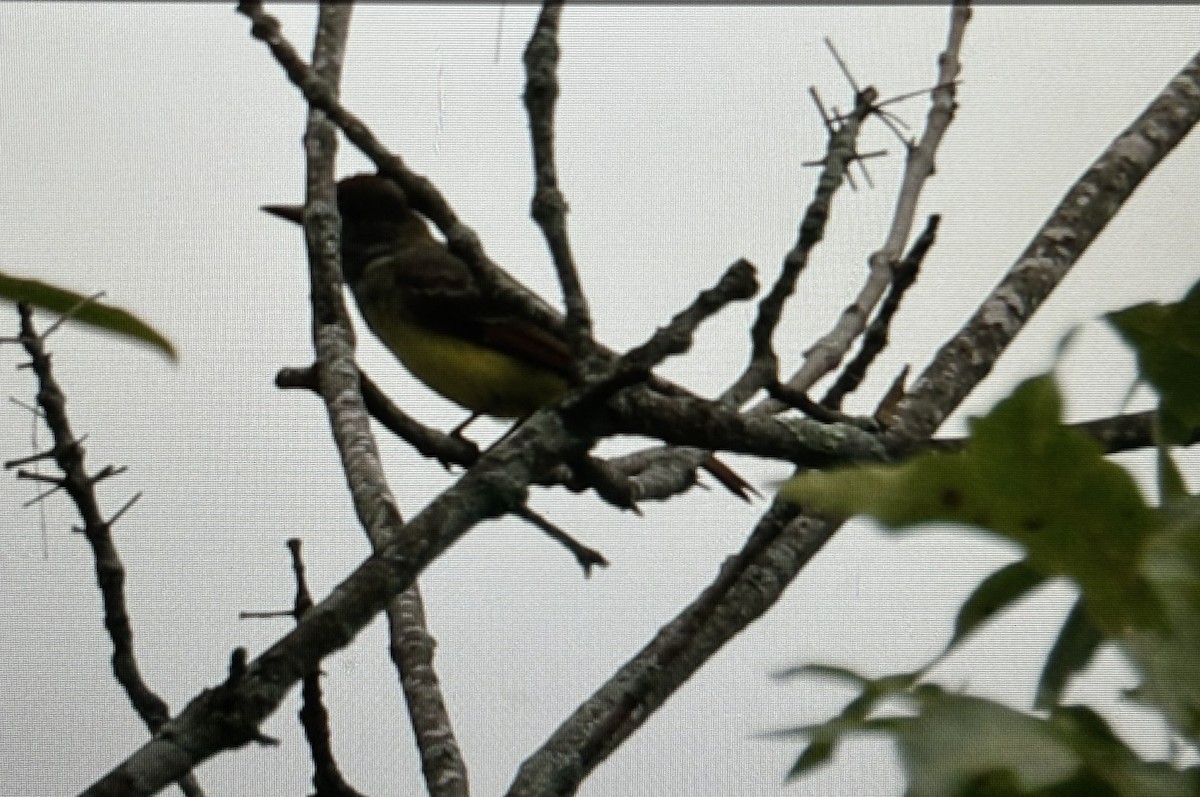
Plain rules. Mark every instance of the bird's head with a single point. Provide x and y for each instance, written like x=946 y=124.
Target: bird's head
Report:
x=376 y=219
x=361 y=196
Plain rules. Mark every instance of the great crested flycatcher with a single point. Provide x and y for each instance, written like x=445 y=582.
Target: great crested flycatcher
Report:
x=422 y=301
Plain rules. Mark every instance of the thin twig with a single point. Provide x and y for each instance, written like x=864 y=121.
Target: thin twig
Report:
x=70 y=313
x=764 y=363
x=585 y=556
x=429 y=442
x=110 y=571
x=328 y=780
x=125 y=507
x=549 y=206
x=737 y=283
x=876 y=337
x=824 y=355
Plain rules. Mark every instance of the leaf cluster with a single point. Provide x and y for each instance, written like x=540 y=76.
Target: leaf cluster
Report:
x=1025 y=476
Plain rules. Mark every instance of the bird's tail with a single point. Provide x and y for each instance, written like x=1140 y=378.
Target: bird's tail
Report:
x=729 y=478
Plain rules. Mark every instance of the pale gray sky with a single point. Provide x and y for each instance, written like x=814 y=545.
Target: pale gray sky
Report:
x=137 y=143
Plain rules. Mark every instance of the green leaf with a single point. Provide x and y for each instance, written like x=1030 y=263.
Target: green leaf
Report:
x=84 y=310
x=824 y=737
x=828 y=671
x=1171 y=484
x=1167 y=657
x=1166 y=338
x=818 y=752
x=958 y=740
x=960 y=745
x=1109 y=760
x=1025 y=476
x=996 y=592
x=1076 y=644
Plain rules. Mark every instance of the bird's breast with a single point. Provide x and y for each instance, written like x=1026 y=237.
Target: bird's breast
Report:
x=471 y=375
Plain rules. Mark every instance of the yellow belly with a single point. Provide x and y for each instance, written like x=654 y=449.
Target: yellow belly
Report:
x=480 y=379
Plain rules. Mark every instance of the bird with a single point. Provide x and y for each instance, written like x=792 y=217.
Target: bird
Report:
x=425 y=305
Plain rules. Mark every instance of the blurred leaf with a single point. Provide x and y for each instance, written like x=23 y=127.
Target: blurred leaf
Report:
x=1167 y=657
x=1171 y=485
x=1166 y=338
x=960 y=745
x=1109 y=760
x=1076 y=644
x=83 y=310
x=1025 y=476
x=828 y=671
x=958 y=740
x=824 y=736
x=996 y=592
x=818 y=752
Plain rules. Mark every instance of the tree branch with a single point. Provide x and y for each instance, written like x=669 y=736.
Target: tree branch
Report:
x=876 y=336
x=749 y=583
x=764 y=362
x=824 y=355
x=1085 y=210
x=327 y=777
x=549 y=206
x=68 y=454
x=337 y=377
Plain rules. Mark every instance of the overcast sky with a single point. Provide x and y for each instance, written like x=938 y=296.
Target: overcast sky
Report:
x=136 y=145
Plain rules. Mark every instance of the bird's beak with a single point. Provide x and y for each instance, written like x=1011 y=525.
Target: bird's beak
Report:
x=292 y=213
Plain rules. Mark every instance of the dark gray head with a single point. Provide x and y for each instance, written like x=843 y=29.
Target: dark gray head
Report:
x=376 y=219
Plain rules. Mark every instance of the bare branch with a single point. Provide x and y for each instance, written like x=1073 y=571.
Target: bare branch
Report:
x=876 y=337
x=339 y=386
x=110 y=571
x=585 y=556
x=549 y=206
x=1085 y=210
x=125 y=507
x=429 y=442
x=327 y=776
x=764 y=363
x=824 y=355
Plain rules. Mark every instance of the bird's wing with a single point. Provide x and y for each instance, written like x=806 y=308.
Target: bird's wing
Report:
x=440 y=294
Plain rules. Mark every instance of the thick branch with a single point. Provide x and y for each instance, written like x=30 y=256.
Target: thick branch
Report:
x=1085 y=210
x=337 y=377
